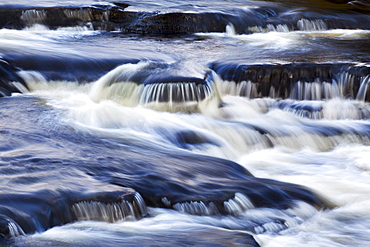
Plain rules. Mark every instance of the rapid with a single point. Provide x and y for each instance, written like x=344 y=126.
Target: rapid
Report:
x=164 y=123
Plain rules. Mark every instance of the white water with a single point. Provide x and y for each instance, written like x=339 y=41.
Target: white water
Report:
x=337 y=167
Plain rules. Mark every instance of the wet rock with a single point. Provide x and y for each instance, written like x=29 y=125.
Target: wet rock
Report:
x=175 y=89
x=188 y=139
x=209 y=184
x=121 y=5
x=36 y=212
x=10 y=82
x=181 y=23
x=70 y=68
x=116 y=18
x=308 y=81
x=83 y=172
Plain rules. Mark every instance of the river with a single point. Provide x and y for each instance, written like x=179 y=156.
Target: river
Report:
x=172 y=123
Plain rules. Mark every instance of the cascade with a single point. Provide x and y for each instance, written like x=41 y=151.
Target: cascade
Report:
x=168 y=123
x=178 y=94
x=361 y=95
x=110 y=212
x=10 y=81
x=197 y=208
x=33 y=16
x=311 y=25
x=9 y=228
x=237 y=205
x=82 y=14
x=134 y=84
x=294 y=81
x=45 y=209
x=115 y=17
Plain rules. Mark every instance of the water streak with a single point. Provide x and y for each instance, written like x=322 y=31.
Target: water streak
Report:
x=197 y=208
x=311 y=25
x=33 y=16
x=361 y=94
x=278 y=89
x=238 y=205
x=110 y=212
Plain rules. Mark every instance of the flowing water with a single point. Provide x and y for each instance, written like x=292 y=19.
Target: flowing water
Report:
x=172 y=123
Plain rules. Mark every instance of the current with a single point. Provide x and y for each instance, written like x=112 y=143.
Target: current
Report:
x=172 y=123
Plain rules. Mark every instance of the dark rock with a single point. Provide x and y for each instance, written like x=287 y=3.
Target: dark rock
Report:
x=42 y=210
x=121 y=5
x=69 y=68
x=10 y=82
x=109 y=18
x=212 y=182
x=176 y=89
x=282 y=80
x=186 y=139
x=11 y=18
x=80 y=175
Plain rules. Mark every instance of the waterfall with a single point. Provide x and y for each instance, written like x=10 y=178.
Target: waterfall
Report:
x=239 y=204
x=14 y=229
x=81 y=14
x=9 y=227
x=230 y=30
x=137 y=84
x=361 y=95
x=197 y=208
x=234 y=206
x=315 y=91
x=301 y=25
x=33 y=16
x=177 y=92
x=311 y=25
x=110 y=212
x=118 y=85
x=281 y=28
x=293 y=81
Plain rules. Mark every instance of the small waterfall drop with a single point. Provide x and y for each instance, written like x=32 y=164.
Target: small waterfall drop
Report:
x=294 y=81
x=301 y=25
x=33 y=16
x=111 y=212
x=177 y=96
x=234 y=206
x=117 y=85
x=177 y=92
x=311 y=25
x=9 y=227
x=197 y=208
x=361 y=95
x=239 y=204
x=316 y=90
x=34 y=80
x=280 y=28
x=230 y=30
x=246 y=89
x=79 y=14
x=136 y=84
x=14 y=229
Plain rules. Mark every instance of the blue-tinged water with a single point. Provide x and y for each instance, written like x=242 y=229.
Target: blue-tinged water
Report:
x=125 y=138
